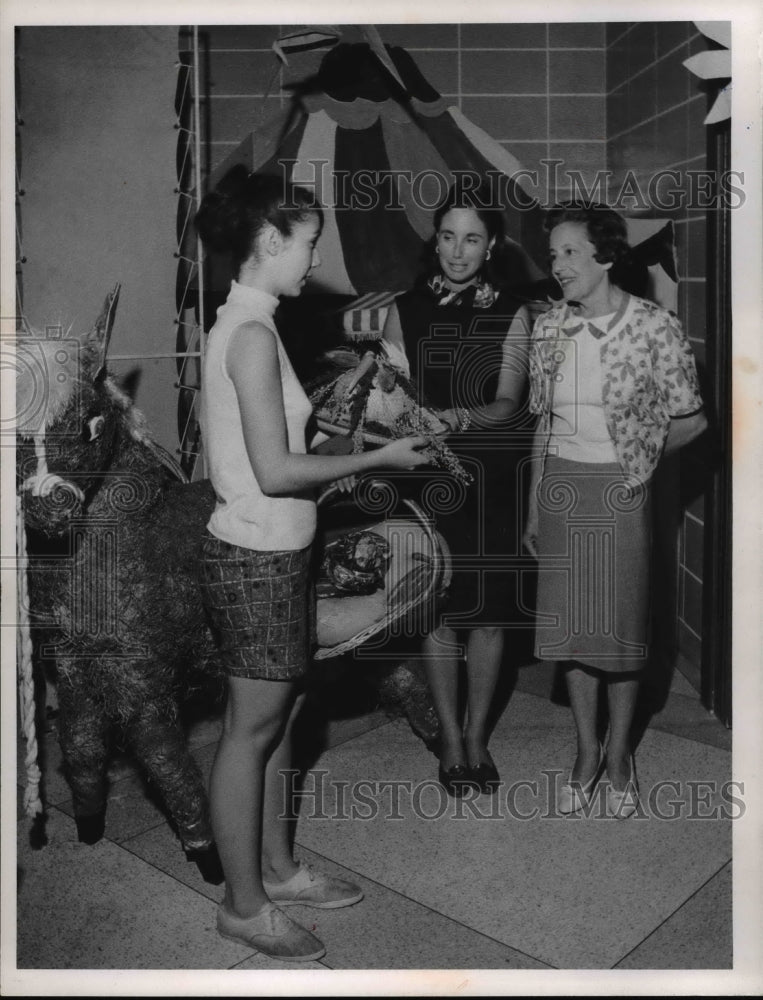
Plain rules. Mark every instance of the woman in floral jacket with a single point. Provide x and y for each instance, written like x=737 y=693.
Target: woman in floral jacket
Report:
x=614 y=383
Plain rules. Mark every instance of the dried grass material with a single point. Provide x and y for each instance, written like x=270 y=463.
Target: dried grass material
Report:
x=374 y=402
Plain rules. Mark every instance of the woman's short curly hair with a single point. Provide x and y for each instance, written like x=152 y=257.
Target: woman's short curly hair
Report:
x=605 y=227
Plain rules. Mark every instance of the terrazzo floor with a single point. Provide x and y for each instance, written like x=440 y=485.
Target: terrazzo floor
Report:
x=500 y=883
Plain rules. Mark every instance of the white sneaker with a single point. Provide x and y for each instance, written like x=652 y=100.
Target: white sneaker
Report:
x=272 y=932
x=310 y=888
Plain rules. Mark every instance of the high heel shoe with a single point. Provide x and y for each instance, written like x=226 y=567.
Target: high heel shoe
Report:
x=486 y=777
x=573 y=796
x=456 y=780
x=623 y=804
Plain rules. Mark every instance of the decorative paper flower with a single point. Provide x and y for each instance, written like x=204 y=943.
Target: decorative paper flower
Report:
x=715 y=65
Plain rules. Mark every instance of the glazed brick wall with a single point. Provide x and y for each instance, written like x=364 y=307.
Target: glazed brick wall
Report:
x=655 y=112
x=538 y=89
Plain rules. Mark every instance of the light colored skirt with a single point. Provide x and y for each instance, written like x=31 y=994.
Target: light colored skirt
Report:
x=594 y=555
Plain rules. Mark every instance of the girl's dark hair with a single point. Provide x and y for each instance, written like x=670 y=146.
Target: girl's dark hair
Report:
x=606 y=230
x=481 y=198
x=232 y=215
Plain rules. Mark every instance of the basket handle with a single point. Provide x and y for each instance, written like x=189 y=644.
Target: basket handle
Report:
x=332 y=489
x=328 y=493
x=437 y=568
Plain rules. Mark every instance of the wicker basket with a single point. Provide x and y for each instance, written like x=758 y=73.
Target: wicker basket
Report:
x=419 y=570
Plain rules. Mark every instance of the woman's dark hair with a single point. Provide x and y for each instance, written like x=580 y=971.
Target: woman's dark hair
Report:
x=606 y=230
x=481 y=198
x=231 y=217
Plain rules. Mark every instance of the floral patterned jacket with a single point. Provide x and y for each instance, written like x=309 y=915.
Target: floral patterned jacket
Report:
x=649 y=376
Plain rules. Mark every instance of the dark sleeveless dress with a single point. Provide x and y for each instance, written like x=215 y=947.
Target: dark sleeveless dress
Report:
x=455 y=354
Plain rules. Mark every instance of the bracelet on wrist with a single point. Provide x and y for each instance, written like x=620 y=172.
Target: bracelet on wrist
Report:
x=464 y=418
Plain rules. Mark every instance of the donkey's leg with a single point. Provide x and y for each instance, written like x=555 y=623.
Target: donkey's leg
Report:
x=404 y=688
x=84 y=737
x=160 y=745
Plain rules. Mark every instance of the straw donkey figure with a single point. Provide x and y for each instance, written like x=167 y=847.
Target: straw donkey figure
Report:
x=113 y=530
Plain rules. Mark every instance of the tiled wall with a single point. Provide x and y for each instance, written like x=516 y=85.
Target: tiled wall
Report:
x=655 y=112
x=539 y=89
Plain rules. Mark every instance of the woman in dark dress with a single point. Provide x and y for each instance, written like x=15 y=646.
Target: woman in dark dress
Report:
x=466 y=346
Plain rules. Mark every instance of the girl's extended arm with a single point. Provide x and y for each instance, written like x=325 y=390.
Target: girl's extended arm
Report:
x=252 y=360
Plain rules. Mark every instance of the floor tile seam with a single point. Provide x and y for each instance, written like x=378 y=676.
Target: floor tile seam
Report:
x=46 y=802
x=424 y=906
x=111 y=840
x=706 y=716
x=681 y=736
x=669 y=728
x=161 y=870
x=659 y=728
x=687 y=739
x=139 y=833
x=58 y=804
x=670 y=916
x=156 y=868
x=547 y=699
x=673 y=729
x=693 y=698
x=56 y=807
x=358 y=736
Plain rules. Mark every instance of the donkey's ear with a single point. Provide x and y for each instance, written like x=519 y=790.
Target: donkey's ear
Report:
x=101 y=332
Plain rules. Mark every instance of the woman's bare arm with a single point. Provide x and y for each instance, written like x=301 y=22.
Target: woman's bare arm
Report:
x=682 y=430
x=511 y=379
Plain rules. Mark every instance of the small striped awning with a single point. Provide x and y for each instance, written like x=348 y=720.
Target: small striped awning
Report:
x=364 y=318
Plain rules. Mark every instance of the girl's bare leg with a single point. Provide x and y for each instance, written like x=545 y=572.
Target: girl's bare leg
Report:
x=255 y=717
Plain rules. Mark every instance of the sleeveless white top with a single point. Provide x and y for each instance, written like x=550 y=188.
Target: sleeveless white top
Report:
x=244 y=515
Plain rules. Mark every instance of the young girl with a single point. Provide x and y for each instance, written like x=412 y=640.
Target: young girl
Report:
x=256 y=555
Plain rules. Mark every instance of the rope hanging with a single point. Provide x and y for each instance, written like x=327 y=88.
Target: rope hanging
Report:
x=32 y=802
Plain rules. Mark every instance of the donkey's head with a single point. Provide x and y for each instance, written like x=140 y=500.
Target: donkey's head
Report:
x=67 y=415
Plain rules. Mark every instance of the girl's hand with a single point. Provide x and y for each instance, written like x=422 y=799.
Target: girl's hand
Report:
x=449 y=417
x=346 y=484
x=403 y=454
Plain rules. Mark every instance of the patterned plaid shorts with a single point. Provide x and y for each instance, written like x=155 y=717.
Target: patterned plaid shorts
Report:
x=261 y=607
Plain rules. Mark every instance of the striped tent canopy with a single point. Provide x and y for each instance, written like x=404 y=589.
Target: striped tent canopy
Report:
x=380 y=147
